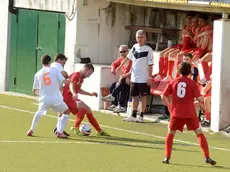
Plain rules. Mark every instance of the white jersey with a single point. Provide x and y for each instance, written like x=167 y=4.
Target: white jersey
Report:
x=58 y=66
x=142 y=57
x=47 y=81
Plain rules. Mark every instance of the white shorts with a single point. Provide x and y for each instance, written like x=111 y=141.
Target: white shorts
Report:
x=57 y=108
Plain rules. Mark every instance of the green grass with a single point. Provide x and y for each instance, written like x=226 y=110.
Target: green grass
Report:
x=125 y=151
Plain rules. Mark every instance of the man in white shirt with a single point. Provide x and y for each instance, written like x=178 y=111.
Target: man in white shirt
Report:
x=59 y=64
x=141 y=56
x=46 y=85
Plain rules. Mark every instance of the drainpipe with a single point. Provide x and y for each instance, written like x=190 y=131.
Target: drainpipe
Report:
x=11 y=7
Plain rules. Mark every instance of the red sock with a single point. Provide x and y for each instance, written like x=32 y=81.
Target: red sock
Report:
x=168 y=145
x=161 y=65
x=79 y=117
x=186 y=43
x=208 y=116
x=165 y=66
x=205 y=68
x=93 y=121
x=203 y=144
x=170 y=68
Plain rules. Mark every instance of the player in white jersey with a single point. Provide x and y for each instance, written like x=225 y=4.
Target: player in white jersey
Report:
x=141 y=56
x=59 y=63
x=46 y=85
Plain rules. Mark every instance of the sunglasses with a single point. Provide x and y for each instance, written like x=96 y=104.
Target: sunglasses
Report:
x=123 y=51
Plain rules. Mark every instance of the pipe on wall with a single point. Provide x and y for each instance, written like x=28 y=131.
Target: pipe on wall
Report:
x=12 y=9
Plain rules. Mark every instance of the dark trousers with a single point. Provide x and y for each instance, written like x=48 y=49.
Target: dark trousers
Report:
x=121 y=93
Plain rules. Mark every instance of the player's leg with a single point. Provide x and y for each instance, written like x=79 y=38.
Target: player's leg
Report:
x=62 y=109
x=206 y=69
x=174 y=125
x=143 y=90
x=193 y=124
x=204 y=146
x=42 y=110
x=207 y=104
x=135 y=100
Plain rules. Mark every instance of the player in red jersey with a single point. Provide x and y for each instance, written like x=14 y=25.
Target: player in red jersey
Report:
x=78 y=107
x=183 y=91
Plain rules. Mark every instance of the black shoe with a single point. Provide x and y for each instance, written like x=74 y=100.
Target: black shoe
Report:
x=210 y=161
x=65 y=133
x=166 y=161
x=55 y=132
x=205 y=124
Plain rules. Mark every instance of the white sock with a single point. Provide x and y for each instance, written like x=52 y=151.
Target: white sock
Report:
x=35 y=120
x=58 y=123
x=64 y=120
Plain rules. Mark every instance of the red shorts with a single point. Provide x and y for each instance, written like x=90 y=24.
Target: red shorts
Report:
x=72 y=105
x=178 y=123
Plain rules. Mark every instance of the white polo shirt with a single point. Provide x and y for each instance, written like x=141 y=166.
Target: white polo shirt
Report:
x=58 y=66
x=142 y=57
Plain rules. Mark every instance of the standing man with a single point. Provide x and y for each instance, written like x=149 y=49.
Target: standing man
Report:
x=141 y=56
x=183 y=91
x=59 y=64
x=46 y=85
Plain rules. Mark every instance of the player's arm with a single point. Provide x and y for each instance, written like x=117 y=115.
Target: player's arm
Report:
x=150 y=63
x=207 y=88
x=65 y=74
x=83 y=92
x=205 y=33
x=165 y=96
x=36 y=86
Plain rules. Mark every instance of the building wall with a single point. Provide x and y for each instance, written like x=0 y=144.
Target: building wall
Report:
x=4 y=41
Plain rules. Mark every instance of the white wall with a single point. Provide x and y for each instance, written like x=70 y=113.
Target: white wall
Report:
x=4 y=41
x=99 y=40
x=49 y=5
x=220 y=117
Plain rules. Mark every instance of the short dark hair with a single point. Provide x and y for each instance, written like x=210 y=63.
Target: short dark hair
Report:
x=203 y=16
x=191 y=13
x=184 y=69
x=45 y=59
x=60 y=56
x=188 y=55
x=89 y=66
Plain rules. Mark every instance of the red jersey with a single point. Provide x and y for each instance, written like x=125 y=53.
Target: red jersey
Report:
x=183 y=91
x=125 y=68
x=77 y=80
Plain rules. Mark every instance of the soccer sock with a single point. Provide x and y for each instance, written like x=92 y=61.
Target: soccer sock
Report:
x=186 y=43
x=170 y=68
x=161 y=65
x=35 y=120
x=58 y=123
x=64 y=120
x=203 y=144
x=205 y=68
x=134 y=113
x=177 y=73
x=79 y=117
x=93 y=121
x=208 y=115
x=142 y=114
x=165 y=66
x=168 y=145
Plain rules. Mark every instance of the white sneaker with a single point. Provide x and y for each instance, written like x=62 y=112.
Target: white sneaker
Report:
x=112 y=107
x=117 y=107
x=130 y=119
x=108 y=98
x=120 y=109
x=140 y=119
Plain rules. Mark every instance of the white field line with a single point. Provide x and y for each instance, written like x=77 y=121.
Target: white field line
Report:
x=120 y=129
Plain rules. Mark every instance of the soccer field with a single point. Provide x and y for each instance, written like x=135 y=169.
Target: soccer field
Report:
x=133 y=147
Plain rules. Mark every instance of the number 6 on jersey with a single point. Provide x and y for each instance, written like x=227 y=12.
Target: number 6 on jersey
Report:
x=181 y=89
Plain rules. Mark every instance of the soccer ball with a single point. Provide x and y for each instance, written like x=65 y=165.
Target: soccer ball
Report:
x=85 y=129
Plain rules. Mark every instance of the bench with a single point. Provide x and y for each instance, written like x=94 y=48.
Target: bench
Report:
x=158 y=31
x=157 y=90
